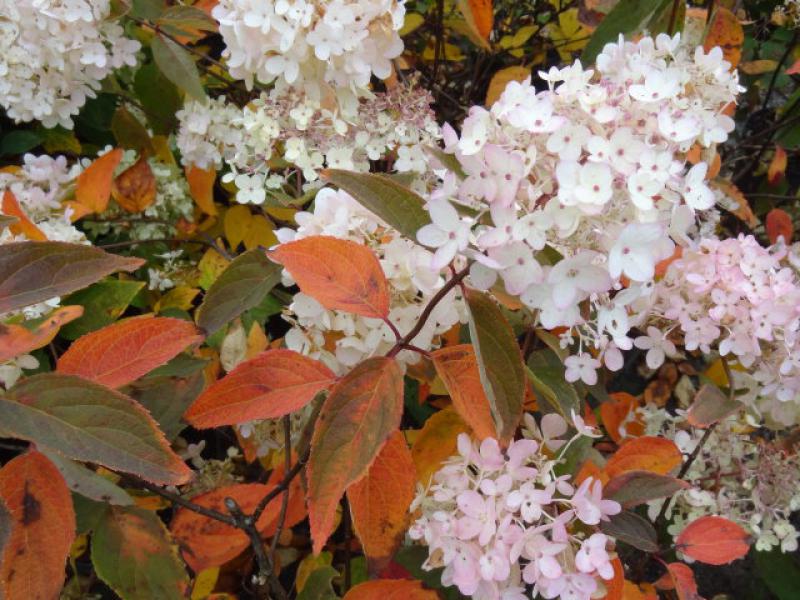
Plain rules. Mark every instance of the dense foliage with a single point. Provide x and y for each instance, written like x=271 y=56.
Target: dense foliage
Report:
x=367 y=299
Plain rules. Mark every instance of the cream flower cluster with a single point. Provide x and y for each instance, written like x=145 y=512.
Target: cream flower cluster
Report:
x=583 y=188
x=290 y=127
x=742 y=477
x=304 y=43
x=499 y=522
x=54 y=54
x=742 y=300
x=342 y=340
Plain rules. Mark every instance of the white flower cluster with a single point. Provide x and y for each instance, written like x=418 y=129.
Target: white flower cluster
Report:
x=583 y=188
x=342 y=340
x=498 y=521
x=54 y=54
x=304 y=43
x=290 y=127
x=742 y=300
x=736 y=475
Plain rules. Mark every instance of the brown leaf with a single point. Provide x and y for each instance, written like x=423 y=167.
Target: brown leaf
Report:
x=135 y=188
x=43 y=528
x=93 y=188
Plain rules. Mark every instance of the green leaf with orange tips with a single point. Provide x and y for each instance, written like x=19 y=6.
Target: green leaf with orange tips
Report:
x=457 y=367
x=713 y=540
x=93 y=188
x=379 y=501
x=42 y=528
x=646 y=453
x=91 y=423
x=32 y=272
x=23 y=225
x=339 y=274
x=201 y=187
x=133 y=553
x=362 y=410
x=122 y=352
x=18 y=339
x=436 y=442
x=271 y=385
x=391 y=589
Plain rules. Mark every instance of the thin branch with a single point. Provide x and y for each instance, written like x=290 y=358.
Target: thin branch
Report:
x=181 y=501
x=287 y=449
x=283 y=485
x=156 y=241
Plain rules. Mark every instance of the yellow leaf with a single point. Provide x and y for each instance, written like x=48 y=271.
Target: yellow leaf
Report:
x=412 y=22
x=435 y=442
x=257 y=341
x=236 y=222
x=79 y=546
x=570 y=35
x=501 y=79
x=310 y=564
x=204 y=583
x=201 y=187
x=179 y=297
x=211 y=265
x=162 y=150
x=451 y=52
x=282 y=213
x=758 y=67
x=261 y=232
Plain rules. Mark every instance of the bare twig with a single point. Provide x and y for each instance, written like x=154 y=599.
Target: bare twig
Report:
x=181 y=501
x=287 y=449
x=156 y=241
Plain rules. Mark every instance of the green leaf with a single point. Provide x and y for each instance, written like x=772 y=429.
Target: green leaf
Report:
x=400 y=207
x=103 y=303
x=130 y=133
x=86 y=482
x=637 y=487
x=628 y=16
x=32 y=272
x=183 y=365
x=58 y=139
x=630 y=528
x=448 y=161
x=500 y=363
x=319 y=584
x=89 y=422
x=242 y=286
x=546 y=373
x=159 y=98
x=133 y=553
x=19 y=141
x=185 y=21
x=178 y=66
x=167 y=398
x=780 y=571
x=147 y=9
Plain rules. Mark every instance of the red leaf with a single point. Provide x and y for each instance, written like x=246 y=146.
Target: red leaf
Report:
x=339 y=274
x=363 y=409
x=379 y=501
x=713 y=540
x=43 y=528
x=458 y=368
x=122 y=352
x=794 y=69
x=93 y=188
x=390 y=589
x=680 y=578
x=779 y=223
x=271 y=385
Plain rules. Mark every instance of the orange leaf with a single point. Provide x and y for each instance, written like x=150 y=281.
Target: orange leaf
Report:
x=363 y=409
x=135 y=188
x=647 y=453
x=93 y=188
x=743 y=211
x=42 y=531
x=480 y=13
x=615 y=413
x=201 y=187
x=458 y=368
x=680 y=578
x=379 y=501
x=616 y=586
x=779 y=223
x=18 y=339
x=713 y=540
x=124 y=351
x=208 y=543
x=437 y=441
x=339 y=274
x=390 y=589
x=777 y=166
x=271 y=385
x=726 y=32
x=23 y=225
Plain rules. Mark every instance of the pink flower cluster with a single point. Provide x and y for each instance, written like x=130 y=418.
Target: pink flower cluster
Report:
x=743 y=300
x=498 y=521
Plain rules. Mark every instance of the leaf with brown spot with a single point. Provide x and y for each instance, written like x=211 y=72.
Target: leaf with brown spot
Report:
x=646 y=453
x=88 y=422
x=23 y=225
x=201 y=187
x=362 y=410
x=32 y=272
x=93 y=188
x=726 y=32
x=135 y=188
x=457 y=366
x=122 y=352
x=779 y=223
x=713 y=540
x=339 y=274
x=379 y=501
x=133 y=553
x=391 y=589
x=18 y=339
x=269 y=386
x=43 y=528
